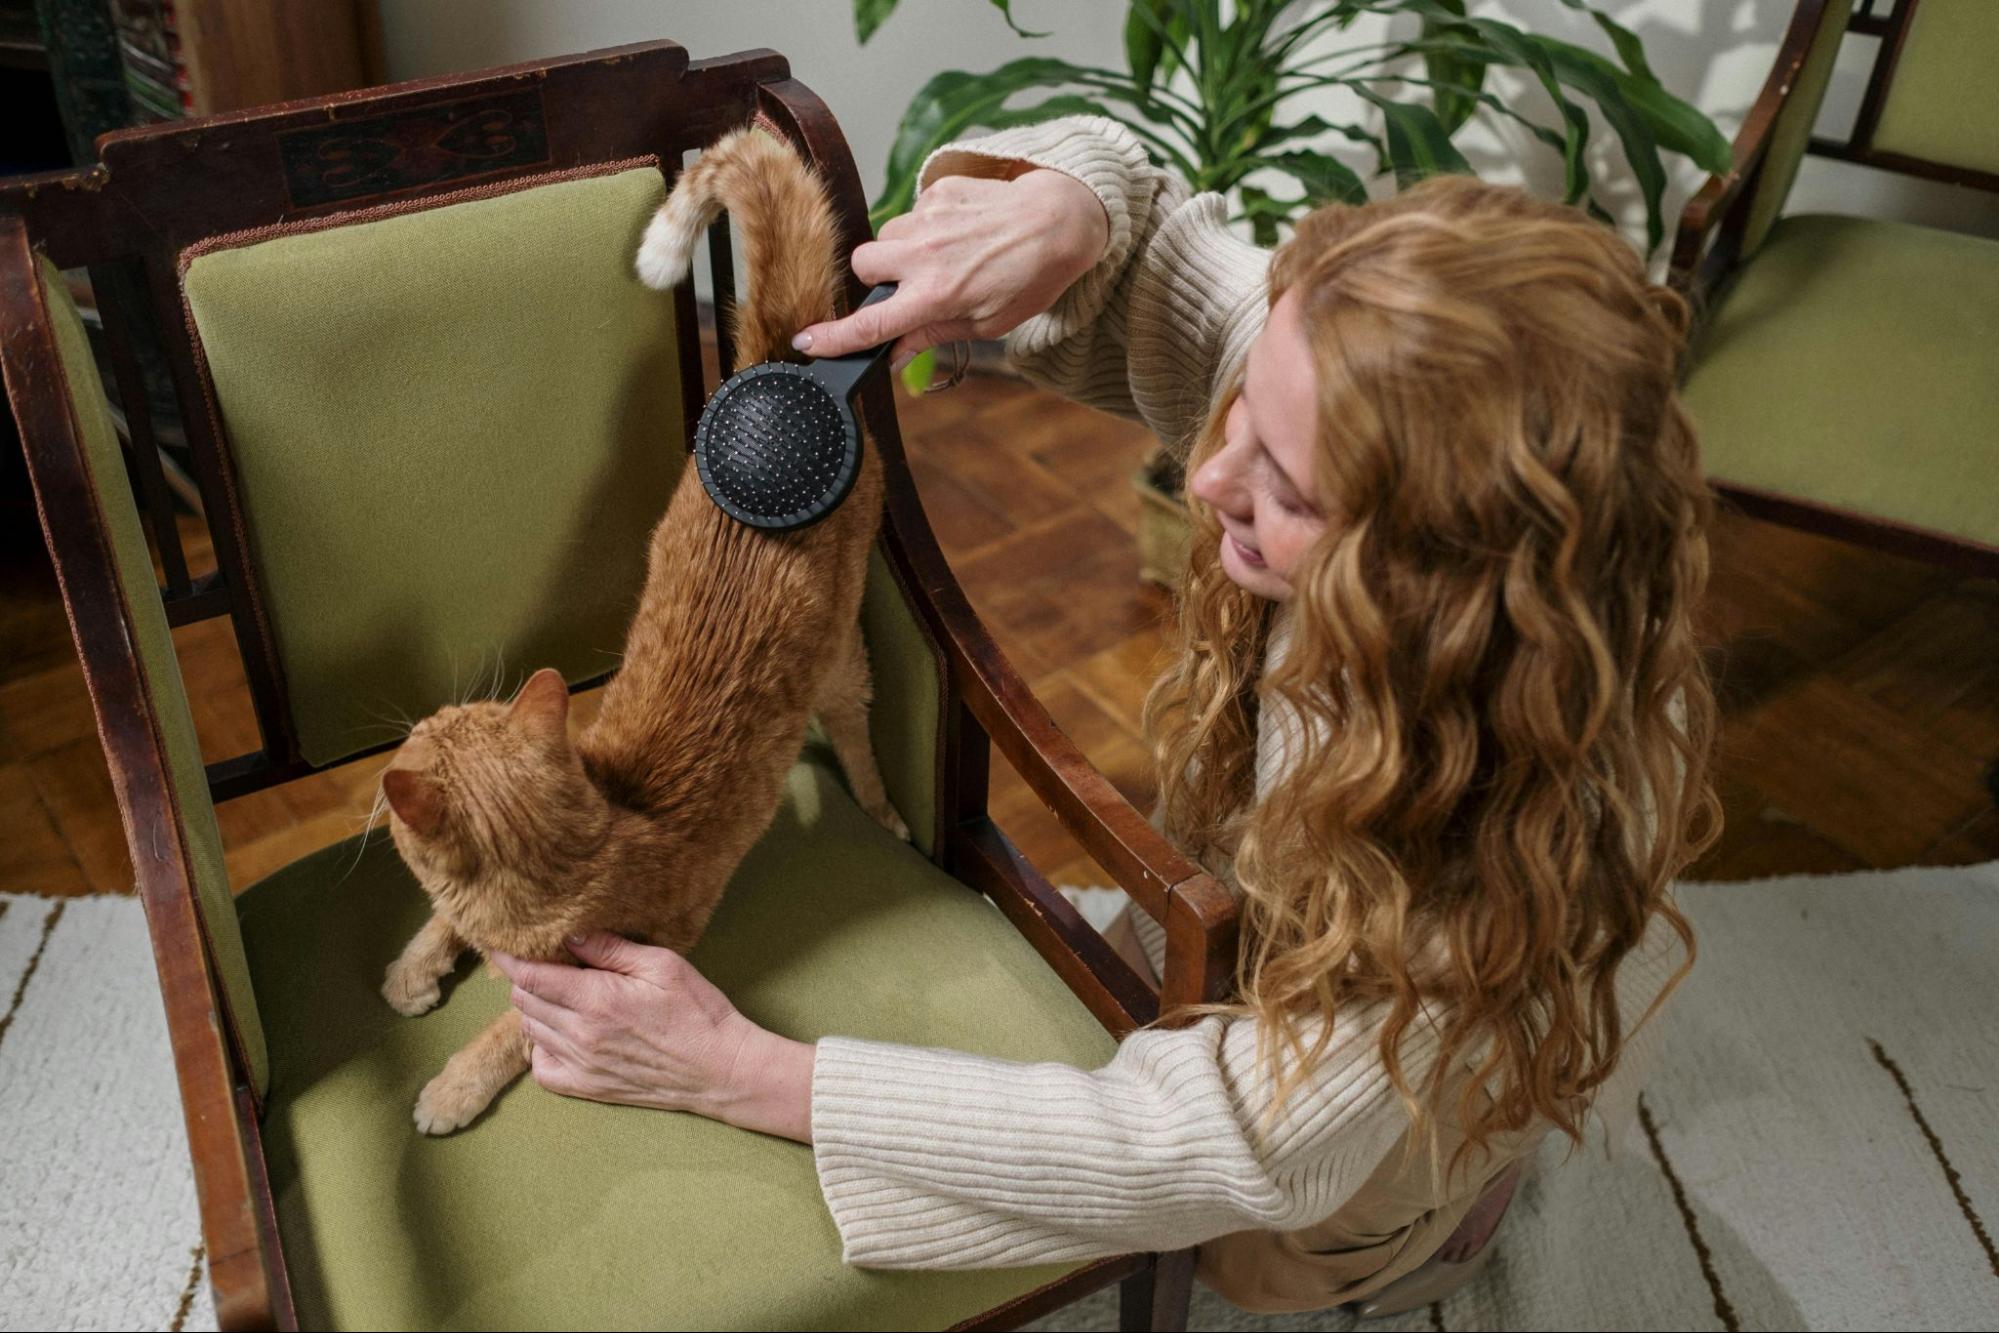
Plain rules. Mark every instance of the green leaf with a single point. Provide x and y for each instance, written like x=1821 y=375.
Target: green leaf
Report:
x=1677 y=126
x=1326 y=179
x=955 y=101
x=1311 y=127
x=1511 y=46
x=868 y=15
x=1005 y=7
x=916 y=376
x=1605 y=85
x=1492 y=104
x=1418 y=144
x=1457 y=76
x=1265 y=213
x=1145 y=40
x=1626 y=42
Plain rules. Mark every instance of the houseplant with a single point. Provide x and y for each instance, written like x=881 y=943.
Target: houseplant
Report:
x=1212 y=89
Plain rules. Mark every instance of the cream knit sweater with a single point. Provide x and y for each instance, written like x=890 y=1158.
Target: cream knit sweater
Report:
x=936 y=1159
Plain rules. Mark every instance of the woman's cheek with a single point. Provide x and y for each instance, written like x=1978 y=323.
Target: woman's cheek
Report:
x=1286 y=551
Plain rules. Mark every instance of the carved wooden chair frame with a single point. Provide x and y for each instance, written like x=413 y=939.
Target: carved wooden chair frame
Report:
x=156 y=192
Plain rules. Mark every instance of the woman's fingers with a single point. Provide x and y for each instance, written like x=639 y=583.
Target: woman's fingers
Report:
x=869 y=326
x=549 y=1068
x=906 y=347
x=614 y=953
x=556 y=982
x=878 y=261
x=540 y=1012
x=548 y=1046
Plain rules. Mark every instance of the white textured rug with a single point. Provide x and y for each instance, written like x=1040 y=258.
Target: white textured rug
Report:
x=1820 y=1148
x=98 y=1225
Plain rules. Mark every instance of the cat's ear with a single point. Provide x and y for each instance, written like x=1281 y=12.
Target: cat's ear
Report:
x=415 y=798
x=542 y=706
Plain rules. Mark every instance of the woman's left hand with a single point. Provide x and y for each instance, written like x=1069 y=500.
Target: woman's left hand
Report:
x=640 y=1026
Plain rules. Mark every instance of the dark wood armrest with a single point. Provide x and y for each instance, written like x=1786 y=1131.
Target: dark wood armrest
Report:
x=1198 y=913
x=1711 y=225
x=228 y=1174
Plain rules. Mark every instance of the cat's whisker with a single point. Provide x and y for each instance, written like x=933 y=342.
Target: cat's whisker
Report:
x=389 y=725
x=389 y=712
x=498 y=684
x=368 y=826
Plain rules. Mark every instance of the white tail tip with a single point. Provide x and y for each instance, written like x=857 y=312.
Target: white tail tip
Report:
x=667 y=250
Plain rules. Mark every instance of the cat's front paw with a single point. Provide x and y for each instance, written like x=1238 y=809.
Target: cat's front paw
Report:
x=449 y=1101
x=409 y=990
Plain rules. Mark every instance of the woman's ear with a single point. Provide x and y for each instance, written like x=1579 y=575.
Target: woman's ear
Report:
x=416 y=799
x=542 y=706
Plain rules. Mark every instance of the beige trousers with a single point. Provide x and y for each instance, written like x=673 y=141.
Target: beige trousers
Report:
x=1396 y=1220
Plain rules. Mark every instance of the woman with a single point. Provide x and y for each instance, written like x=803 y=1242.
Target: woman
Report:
x=1437 y=712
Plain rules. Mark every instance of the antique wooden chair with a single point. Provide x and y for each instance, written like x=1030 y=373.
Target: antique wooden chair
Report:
x=1846 y=378
x=434 y=417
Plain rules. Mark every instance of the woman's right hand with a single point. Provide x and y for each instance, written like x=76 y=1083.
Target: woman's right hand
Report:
x=974 y=259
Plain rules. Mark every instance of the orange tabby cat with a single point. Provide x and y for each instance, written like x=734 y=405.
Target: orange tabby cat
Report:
x=522 y=836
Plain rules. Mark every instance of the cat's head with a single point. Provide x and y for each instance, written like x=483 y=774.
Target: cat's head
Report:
x=491 y=799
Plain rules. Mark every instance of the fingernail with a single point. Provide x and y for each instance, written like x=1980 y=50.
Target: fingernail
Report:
x=901 y=361
x=803 y=342
x=572 y=939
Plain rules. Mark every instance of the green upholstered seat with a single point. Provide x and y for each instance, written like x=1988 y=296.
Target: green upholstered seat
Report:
x=1855 y=363
x=548 y=1212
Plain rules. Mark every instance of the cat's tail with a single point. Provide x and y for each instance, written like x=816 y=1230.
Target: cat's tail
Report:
x=786 y=222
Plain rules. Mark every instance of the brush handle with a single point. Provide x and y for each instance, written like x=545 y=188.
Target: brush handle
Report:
x=843 y=374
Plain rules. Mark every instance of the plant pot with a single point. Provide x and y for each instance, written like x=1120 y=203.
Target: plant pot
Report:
x=1163 y=525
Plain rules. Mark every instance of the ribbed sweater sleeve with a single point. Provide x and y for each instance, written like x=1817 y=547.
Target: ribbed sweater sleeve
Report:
x=936 y=1159
x=1168 y=312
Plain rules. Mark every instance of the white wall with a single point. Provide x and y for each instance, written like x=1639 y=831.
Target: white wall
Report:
x=1715 y=53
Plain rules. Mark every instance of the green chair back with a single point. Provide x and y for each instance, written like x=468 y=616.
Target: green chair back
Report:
x=1943 y=103
x=450 y=432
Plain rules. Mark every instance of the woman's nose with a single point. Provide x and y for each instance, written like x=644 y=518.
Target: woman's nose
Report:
x=1216 y=483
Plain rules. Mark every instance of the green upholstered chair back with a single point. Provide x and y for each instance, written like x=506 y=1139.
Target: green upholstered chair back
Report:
x=449 y=431
x=1792 y=133
x=1943 y=103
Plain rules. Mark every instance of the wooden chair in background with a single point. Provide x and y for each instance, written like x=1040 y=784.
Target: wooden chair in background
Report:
x=1846 y=375
x=433 y=417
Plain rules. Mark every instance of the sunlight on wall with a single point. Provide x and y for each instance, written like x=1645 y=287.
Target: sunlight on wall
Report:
x=1714 y=53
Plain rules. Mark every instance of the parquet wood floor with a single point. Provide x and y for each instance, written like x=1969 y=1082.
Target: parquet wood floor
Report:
x=1861 y=691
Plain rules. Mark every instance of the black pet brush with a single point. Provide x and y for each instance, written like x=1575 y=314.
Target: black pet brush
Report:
x=778 y=446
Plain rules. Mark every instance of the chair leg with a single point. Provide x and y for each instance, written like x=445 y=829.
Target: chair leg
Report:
x=1155 y=1300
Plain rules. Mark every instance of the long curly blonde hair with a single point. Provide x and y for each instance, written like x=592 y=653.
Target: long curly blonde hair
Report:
x=1504 y=721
